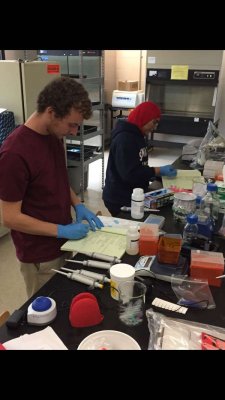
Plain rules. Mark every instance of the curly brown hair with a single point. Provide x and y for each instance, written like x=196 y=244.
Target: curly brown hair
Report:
x=63 y=94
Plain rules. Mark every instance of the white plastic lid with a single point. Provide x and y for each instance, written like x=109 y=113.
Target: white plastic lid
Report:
x=185 y=196
x=133 y=229
x=122 y=271
x=138 y=191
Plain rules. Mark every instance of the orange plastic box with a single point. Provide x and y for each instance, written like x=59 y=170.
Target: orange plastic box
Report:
x=169 y=248
x=208 y=265
x=149 y=237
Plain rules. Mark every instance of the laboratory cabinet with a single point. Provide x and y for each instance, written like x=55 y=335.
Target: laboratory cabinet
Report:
x=20 y=84
x=184 y=84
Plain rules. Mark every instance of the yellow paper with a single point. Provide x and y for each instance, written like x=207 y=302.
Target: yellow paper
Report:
x=183 y=180
x=179 y=72
x=111 y=244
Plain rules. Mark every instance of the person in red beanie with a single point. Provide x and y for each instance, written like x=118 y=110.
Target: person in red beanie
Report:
x=128 y=158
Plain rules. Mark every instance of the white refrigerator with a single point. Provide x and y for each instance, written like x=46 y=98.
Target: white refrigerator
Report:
x=20 y=84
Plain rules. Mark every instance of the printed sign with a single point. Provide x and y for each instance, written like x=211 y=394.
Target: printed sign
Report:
x=53 y=68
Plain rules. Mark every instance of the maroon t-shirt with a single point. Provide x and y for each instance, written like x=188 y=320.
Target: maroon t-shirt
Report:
x=33 y=170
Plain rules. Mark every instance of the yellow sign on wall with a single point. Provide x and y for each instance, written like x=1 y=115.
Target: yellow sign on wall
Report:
x=179 y=72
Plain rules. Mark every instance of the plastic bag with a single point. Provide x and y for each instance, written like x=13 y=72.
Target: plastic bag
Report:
x=222 y=228
x=212 y=147
x=192 y=292
x=175 y=334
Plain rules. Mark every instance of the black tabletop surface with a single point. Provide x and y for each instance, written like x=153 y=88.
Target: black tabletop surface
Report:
x=62 y=290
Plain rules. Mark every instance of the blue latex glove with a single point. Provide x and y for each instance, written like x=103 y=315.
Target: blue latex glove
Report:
x=72 y=231
x=168 y=170
x=83 y=213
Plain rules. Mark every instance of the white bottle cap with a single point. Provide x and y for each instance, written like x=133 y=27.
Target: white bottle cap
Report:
x=138 y=191
x=132 y=228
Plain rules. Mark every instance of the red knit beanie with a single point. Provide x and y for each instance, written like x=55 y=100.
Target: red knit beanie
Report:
x=144 y=113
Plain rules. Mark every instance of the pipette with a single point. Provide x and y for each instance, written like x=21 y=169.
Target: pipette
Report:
x=99 y=277
x=80 y=278
x=146 y=209
x=104 y=257
x=92 y=263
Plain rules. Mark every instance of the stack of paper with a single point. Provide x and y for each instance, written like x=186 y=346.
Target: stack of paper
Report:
x=42 y=340
x=111 y=244
x=183 y=180
x=109 y=240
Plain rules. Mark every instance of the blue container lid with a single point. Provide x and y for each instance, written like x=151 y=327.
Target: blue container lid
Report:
x=198 y=200
x=211 y=187
x=192 y=219
x=41 y=304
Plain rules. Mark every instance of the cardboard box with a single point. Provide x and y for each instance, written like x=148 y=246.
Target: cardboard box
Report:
x=128 y=85
x=158 y=198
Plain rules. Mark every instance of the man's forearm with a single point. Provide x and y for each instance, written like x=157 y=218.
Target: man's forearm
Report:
x=74 y=198
x=26 y=224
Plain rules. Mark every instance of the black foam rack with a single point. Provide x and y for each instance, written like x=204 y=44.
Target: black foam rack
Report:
x=74 y=152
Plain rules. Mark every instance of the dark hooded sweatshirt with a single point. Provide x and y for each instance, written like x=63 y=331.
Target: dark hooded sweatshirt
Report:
x=127 y=164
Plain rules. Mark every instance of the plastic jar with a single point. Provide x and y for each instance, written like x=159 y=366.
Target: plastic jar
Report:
x=137 y=203
x=133 y=236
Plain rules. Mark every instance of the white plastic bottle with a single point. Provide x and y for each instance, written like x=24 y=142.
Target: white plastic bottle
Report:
x=211 y=201
x=137 y=203
x=133 y=236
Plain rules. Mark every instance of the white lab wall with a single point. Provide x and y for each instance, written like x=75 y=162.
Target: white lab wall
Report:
x=123 y=65
x=131 y=65
x=110 y=74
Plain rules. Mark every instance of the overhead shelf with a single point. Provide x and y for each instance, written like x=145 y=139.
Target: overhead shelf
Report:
x=77 y=163
x=86 y=136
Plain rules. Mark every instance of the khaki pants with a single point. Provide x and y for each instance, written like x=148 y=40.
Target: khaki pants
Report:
x=36 y=275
